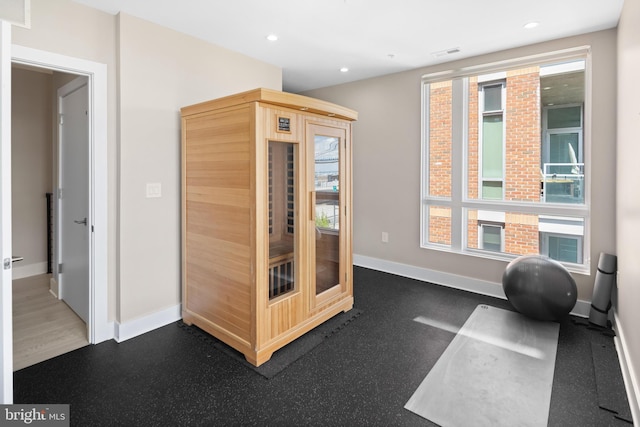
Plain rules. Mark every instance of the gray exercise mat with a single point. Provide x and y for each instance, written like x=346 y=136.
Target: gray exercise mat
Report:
x=497 y=371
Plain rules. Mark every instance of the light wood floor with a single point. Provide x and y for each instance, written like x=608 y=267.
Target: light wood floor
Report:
x=43 y=326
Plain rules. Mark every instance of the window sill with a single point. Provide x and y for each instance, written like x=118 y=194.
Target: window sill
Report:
x=582 y=269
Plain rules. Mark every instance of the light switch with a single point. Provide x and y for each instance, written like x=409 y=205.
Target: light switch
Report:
x=154 y=189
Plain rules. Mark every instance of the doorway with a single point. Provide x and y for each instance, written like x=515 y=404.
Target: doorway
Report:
x=101 y=329
x=50 y=307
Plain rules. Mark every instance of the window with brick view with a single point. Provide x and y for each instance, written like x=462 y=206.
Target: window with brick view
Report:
x=504 y=162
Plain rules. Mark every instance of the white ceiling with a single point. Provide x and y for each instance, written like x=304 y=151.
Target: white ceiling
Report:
x=370 y=37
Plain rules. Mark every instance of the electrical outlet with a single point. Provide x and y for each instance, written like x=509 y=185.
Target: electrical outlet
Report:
x=385 y=237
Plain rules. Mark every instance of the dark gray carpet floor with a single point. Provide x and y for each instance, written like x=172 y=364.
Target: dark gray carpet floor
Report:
x=363 y=374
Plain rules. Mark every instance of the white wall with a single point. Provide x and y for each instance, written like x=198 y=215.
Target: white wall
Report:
x=31 y=168
x=387 y=163
x=628 y=190
x=161 y=71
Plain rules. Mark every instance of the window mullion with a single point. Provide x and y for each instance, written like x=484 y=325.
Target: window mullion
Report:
x=459 y=116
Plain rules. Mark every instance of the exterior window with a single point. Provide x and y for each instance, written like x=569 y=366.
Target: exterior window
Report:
x=505 y=163
x=562 y=248
x=562 y=157
x=491 y=237
x=492 y=141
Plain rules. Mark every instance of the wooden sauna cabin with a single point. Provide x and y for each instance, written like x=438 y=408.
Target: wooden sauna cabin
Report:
x=266 y=217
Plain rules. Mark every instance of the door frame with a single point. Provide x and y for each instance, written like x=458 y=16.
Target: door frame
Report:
x=6 y=315
x=99 y=328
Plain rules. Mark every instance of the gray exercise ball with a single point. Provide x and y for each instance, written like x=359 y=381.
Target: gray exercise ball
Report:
x=539 y=287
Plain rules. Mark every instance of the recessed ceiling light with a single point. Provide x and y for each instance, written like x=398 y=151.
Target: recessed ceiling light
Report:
x=344 y=69
x=272 y=37
x=530 y=25
x=546 y=88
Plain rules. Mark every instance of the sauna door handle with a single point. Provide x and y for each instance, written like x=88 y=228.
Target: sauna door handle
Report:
x=312 y=206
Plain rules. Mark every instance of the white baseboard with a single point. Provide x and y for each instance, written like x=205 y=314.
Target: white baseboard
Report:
x=629 y=373
x=28 y=270
x=103 y=332
x=141 y=325
x=464 y=283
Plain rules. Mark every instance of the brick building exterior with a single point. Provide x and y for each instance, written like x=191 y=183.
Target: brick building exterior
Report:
x=522 y=153
x=440 y=128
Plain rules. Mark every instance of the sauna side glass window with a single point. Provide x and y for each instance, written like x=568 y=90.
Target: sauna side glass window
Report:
x=283 y=227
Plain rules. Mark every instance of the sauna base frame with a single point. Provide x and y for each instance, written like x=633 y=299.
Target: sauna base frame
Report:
x=259 y=356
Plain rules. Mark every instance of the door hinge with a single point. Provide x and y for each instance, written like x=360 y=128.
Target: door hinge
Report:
x=7 y=263
x=59 y=193
x=59 y=268
x=61 y=118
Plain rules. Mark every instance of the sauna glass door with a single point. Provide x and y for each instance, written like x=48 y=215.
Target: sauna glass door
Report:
x=283 y=224
x=327 y=212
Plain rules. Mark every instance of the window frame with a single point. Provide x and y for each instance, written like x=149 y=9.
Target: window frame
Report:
x=482 y=114
x=459 y=202
x=547 y=132
x=482 y=226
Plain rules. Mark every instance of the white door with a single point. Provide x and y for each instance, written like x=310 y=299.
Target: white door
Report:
x=74 y=207
x=6 y=323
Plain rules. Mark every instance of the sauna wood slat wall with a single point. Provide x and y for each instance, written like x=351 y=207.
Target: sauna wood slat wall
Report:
x=218 y=215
